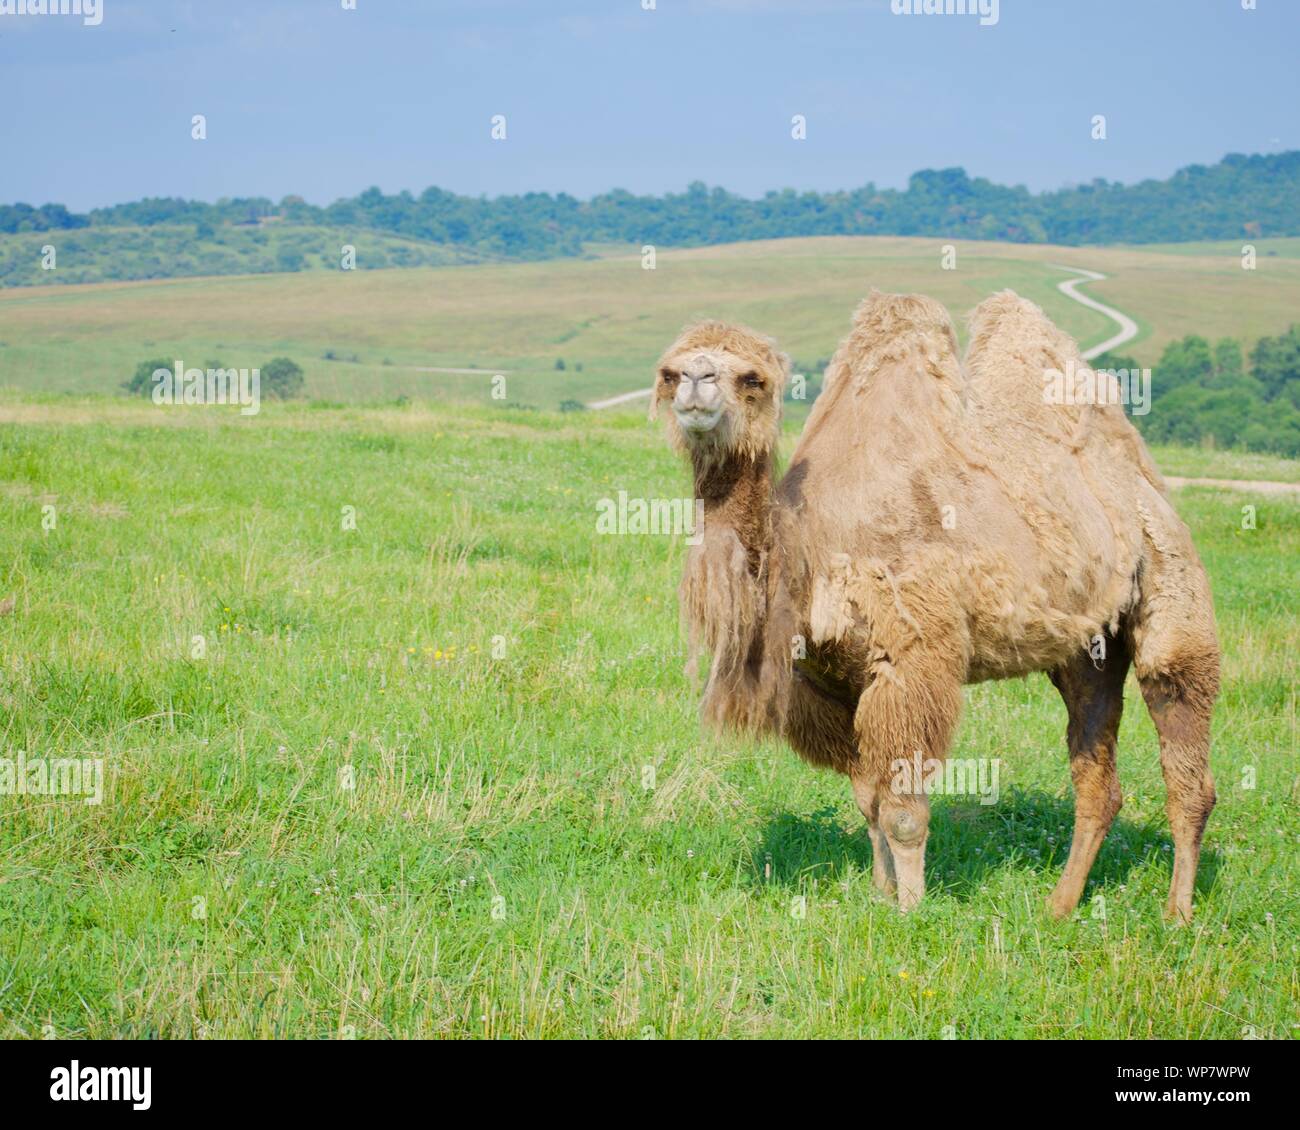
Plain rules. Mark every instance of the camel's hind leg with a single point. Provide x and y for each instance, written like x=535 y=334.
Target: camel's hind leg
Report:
x=1180 y=701
x=1176 y=654
x=1094 y=697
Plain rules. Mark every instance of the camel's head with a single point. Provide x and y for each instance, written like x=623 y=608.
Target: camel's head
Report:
x=723 y=385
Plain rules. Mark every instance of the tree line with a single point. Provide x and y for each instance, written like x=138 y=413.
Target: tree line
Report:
x=1239 y=197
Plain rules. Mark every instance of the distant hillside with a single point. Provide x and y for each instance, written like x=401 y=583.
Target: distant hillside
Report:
x=1239 y=198
x=161 y=251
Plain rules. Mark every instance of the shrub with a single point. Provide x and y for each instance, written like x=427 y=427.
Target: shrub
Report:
x=141 y=384
x=282 y=378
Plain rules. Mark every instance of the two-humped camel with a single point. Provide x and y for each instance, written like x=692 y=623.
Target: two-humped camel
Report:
x=940 y=523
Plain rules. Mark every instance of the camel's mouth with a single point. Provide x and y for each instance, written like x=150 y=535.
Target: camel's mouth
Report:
x=697 y=419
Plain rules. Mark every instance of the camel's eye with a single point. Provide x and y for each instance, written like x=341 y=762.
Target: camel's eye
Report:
x=751 y=380
x=668 y=376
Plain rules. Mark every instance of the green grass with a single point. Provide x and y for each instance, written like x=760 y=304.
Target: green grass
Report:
x=499 y=679
x=1191 y=462
x=1285 y=247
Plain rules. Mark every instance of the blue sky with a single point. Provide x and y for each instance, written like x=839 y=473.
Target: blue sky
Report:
x=302 y=96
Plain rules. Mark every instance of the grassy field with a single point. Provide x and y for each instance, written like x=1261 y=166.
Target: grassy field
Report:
x=398 y=787
x=607 y=315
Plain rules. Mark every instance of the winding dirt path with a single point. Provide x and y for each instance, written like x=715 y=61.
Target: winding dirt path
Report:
x=1128 y=329
x=621 y=398
x=1253 y=486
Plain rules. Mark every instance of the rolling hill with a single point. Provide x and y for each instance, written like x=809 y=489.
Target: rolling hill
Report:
x=366 y=335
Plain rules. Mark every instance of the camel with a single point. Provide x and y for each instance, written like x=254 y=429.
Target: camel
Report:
x=940 y=523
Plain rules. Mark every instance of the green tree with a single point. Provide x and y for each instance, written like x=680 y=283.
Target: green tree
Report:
x=282 y=378
x=142 y=382
x=1275 y=363
x=1185 y=362
x=1114 y=361
x=1228 y=364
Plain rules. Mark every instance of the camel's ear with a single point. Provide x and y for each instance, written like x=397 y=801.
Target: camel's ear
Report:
x=653 y=414
x=787 y=369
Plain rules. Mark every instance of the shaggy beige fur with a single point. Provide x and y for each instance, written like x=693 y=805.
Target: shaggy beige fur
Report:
x=939 y=524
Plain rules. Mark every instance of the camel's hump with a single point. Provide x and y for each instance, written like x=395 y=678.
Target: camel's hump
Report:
x=884 y=316
x=1015 y=319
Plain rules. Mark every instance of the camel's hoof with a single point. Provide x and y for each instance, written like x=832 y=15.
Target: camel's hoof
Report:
x=908 y=900
x=1059 y=909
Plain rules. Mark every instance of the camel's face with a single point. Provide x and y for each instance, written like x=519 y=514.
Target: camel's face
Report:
x=723 y=386
x=700 y=390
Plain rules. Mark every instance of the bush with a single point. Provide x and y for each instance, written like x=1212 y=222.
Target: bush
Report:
x=289 y=260
x=141 y=384
x=572 y=406
x=282 y=378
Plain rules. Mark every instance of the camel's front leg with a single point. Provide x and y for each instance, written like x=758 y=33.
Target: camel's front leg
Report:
x=883 y=877
x=910 y=637
x=904 y=721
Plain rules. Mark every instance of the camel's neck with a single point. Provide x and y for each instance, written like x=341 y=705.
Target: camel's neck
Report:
x=737 y=495
x=727 y=602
